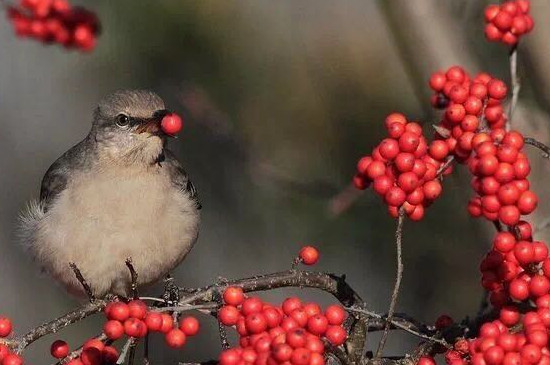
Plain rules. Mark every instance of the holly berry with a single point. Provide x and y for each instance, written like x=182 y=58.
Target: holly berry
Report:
x=171 y=124
x=309 y=255
x=59 y=349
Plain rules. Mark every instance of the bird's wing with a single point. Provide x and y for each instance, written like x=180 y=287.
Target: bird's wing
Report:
x=57 y=176
x=180 y=178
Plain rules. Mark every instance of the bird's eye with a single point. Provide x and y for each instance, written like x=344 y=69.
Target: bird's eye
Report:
x=122 y=120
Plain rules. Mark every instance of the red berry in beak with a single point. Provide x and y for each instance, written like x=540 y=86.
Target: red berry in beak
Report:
x=171 y=124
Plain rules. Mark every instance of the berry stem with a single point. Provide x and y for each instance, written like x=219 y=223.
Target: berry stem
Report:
x=397 y=285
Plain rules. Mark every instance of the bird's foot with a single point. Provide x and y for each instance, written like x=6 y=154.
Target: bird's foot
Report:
x=83 y=282
x=134 y=277
x=171 y=290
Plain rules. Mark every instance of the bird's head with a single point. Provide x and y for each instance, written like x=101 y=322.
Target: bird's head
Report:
x=127 y=127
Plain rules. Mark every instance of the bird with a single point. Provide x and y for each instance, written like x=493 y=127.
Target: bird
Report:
x=117 y=194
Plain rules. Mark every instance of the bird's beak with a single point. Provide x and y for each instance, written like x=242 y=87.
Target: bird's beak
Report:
x=151 y=126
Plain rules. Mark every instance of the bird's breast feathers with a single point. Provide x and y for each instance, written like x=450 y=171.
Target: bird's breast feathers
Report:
x=104 y=216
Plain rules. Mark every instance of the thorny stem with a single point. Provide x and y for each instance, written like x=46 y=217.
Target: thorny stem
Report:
x=397 y=285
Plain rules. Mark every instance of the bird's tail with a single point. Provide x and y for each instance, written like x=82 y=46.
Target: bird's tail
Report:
x=28 y=221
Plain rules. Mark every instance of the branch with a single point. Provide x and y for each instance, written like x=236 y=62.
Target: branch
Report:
x=20 y=343
x=516 y=86
x=395 y=294
x=541 y=146
x=330 y=283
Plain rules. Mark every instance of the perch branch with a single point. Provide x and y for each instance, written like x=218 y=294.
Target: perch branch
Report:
x=397 y=285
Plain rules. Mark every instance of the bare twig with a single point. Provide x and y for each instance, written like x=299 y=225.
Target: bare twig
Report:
x=400 y=321
x=134 y=277
x=541 y=146
x=125 y=350
x=82 y=281
x=516 y=85
x=20 y=343
x=397 y=285
x=445 y=165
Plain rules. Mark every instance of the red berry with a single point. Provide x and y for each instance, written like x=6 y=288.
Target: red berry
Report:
x=138 y=309
x=171 y=124
x=256 y=323
x=317 y=324
x=153 y=321
x=519 y=289
x=5 y=326
x=190 y=326
x=233 y=295
x=404 y=162
x=167 y=323
x=290 y=304
x=335 y=314
x=12 y=359
x=389 y=148
x=118 y=311
x=497 y=89
x=113 y=329
x=509 y=215
x=229 y=315
x=91 y=356
x=336 y=335
x=309 y=255
x=437 y=81
x=395 y=196
x=300 y=356
x=175 y=338
x=251 y=305
x=110 y=354
x=59 y=349
x=134 y=327
x=395 y=118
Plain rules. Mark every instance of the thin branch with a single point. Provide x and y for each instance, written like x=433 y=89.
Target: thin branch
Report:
x=82 y=281
x=399 y=276
x=402 y=322
x=20 y=343
x=516 y=85
x=330 y=283
x=134 y=277
x=445 y=165
x=125 y=350
x=541 y=146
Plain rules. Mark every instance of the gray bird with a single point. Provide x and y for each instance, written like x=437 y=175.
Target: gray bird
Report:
x=117 y=194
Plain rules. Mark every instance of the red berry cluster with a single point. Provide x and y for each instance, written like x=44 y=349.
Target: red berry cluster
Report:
x=403 y=169
x=500 y=170
x=290 y=334
x=7 y=357
x=469 y=105
x=508 y=21
x=134 y=319
x=55 y=21
x=497 y=344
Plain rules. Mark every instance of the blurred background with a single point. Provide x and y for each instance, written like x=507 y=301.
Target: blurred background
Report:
x=280 y=99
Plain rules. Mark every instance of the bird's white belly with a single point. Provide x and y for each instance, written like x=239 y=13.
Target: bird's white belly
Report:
x=104 y=218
